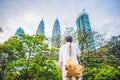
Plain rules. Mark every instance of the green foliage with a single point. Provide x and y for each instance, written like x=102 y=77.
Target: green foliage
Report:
x=9 y=51
x=116 y=50
x=100 y=65
x=29 y=58
x=56 y=41
x=103 y=72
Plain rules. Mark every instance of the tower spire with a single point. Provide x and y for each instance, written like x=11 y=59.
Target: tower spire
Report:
x=84 y=10
x=41 y=27
x=19 y=31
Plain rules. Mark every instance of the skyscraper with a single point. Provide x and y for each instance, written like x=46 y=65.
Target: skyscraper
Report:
x=41 y=28
x=85 y=34
x=56 y=34
x=18 y=32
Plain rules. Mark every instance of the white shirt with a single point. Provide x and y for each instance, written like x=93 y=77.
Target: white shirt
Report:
x=64 y=54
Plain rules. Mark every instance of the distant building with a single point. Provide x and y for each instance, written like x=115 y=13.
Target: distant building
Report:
x=19 y=31
x=56 y=34
x=41 y=28
x=85 y=34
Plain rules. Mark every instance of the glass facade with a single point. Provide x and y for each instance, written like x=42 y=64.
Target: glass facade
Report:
x=56 y=34
x=41 y=28
x=19 y=31
x=85 y=34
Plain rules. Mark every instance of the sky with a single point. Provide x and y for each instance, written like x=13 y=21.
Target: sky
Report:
x=104 y=15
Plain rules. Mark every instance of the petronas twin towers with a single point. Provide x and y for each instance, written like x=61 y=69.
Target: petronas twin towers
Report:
x=56 y=28
x=56 y=32
x=83 y=29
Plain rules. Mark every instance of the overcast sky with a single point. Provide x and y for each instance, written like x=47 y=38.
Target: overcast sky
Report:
x=104 y=15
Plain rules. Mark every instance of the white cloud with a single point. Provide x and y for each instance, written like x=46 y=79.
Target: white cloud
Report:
x=28 y=14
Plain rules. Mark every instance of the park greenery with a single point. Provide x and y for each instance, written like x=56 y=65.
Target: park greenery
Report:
x=31 y=58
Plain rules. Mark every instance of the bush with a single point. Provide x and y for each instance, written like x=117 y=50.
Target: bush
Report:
x=103 y=72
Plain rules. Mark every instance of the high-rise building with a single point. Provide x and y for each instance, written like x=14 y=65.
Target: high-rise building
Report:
x=85 y=34
x=56 y=34
x=18 y=32
x=41 y=28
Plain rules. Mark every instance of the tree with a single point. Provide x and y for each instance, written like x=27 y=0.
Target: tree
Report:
x=9 y=51
x=100 y=64
x=37 y=62
x=115 y=46
x=56 y=41
x=99 y=39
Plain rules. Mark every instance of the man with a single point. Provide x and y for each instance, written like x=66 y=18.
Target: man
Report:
x=64 y=56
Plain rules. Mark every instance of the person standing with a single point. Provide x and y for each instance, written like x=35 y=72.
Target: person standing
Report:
x=64 y=55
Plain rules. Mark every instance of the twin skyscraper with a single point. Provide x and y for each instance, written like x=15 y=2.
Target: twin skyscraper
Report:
x=56 y=32
x=41 y=29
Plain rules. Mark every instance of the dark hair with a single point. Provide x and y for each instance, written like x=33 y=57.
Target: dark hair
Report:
x=68 y=38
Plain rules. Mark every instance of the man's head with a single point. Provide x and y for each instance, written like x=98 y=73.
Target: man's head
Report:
x=68 y=38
